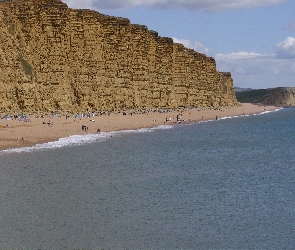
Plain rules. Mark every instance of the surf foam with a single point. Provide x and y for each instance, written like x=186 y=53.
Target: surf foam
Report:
x=77 y=140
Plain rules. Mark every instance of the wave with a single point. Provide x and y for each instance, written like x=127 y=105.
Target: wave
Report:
x=269 y=111
x=77 y=140
x=237 y=116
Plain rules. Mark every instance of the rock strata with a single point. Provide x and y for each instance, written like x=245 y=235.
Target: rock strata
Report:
x=53 y=58
x=280 y=96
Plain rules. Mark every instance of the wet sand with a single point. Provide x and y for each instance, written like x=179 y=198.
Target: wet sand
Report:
x=39 y=131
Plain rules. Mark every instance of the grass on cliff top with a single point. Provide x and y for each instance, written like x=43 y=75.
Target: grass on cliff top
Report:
x=253 y=96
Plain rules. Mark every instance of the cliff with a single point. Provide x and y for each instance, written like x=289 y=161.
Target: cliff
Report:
x=280 y=96
x=53 y=58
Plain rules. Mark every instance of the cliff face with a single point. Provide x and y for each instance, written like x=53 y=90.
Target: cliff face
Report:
x=280 y=96
x=55 y=58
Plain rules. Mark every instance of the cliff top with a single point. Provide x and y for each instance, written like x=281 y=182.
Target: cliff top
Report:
x=57 y=58
x=39 y=1
x=7 y=2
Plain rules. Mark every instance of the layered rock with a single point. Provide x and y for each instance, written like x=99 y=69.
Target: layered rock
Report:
x=53 y=58
x=280 y=96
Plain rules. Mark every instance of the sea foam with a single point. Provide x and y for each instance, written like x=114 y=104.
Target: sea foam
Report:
x=268 y=111
x=77 y=140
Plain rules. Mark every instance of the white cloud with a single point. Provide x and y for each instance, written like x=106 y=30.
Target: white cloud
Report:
x=197 y=46
x=286 y=49
x=250 y=69
x=208 y=5
x=245 y=62
x=238 y=55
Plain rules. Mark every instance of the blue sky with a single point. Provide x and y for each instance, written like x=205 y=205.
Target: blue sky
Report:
x=252 y=39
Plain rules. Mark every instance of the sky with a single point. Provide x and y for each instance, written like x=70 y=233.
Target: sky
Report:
x=252 y=39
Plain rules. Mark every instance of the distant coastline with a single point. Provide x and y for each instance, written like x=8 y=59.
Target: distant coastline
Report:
x=283 y=96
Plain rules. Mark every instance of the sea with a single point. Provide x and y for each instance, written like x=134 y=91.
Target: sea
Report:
x=225 y=184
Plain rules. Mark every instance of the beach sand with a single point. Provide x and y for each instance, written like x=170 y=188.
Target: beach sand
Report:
x=36 y=132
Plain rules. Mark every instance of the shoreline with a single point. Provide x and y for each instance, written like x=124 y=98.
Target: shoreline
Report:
x=51 y=128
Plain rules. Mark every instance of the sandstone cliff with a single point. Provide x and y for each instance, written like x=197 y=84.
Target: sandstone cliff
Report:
x=280 y=96
x=53 y=58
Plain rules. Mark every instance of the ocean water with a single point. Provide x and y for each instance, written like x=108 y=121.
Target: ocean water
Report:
x=226 y=184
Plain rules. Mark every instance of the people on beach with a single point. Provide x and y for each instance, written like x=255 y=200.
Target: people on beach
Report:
x=22 y=140
x=38 y=131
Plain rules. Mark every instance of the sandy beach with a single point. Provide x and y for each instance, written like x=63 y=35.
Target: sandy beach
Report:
x=16 y=133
